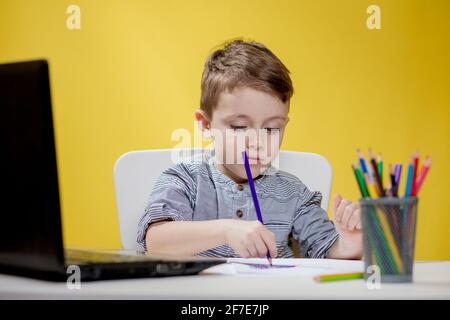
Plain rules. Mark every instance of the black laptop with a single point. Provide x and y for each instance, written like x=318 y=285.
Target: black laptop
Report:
x=31 y=242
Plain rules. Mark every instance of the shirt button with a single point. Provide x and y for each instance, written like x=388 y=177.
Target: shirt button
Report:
x=240 y=187
x=239 y=213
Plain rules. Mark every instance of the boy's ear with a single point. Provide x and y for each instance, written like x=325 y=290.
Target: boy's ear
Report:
x=203 y=123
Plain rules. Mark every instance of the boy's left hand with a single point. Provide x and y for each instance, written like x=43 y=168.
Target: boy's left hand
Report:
x=347 y=219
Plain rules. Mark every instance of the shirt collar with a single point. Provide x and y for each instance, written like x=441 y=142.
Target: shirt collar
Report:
x=223 y=179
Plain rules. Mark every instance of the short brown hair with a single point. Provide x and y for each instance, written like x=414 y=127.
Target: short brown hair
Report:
x=243 y=63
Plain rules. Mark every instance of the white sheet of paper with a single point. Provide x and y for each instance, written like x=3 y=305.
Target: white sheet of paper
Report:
x=285 y=267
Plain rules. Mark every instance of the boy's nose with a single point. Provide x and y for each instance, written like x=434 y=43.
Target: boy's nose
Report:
x=251 y=143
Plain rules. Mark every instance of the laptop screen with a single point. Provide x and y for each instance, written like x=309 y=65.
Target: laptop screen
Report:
x=30 y=222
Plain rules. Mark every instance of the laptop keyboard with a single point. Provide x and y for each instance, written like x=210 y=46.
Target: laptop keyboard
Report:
x=118 y=265
x=74 y=256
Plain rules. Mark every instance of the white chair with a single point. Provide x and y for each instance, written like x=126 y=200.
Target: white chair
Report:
x=135 y=173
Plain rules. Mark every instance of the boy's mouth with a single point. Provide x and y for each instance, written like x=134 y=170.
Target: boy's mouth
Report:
x=254 y=160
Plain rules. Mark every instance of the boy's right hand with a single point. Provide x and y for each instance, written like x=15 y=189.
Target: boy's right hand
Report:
x=250 y=239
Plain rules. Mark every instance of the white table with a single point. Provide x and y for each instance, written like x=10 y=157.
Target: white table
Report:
x=431 y=281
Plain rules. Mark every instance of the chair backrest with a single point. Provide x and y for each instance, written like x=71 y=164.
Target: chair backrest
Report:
x=136 y=172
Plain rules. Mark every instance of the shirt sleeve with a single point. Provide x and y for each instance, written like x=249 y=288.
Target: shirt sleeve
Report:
x=312 y=229
x=170 y=199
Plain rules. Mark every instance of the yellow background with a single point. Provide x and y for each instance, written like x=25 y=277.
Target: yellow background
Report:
x=131 y=76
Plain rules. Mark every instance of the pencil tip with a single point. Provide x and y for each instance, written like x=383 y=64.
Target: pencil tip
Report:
x=359 y=153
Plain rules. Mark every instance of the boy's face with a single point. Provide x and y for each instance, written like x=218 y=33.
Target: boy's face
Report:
x=246 y=119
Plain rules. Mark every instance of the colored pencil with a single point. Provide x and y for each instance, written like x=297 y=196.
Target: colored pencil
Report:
x=380 y=167
x=422 y=175
x=339 y=277
x=398 y=173
x=416 y=167
x=360 y=180
x=364 y=167
x=389 y=189
x=370 y=187
x=374 y=188
x=362 y=161
x=378 y=183
x=254 y=196
x=392 y=176
x=409 y=179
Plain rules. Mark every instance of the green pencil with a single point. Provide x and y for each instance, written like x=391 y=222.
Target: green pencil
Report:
x=380 y=167
x=339 y=277
x=360 y=181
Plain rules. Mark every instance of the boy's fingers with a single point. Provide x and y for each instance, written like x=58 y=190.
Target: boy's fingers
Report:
x=250 y=247
x=243 y=252
x=269 y=239
x=359 y=225
x=261 y=248
x=336 y=201
x=354 y=220
x=348 y=214
x=340 y=210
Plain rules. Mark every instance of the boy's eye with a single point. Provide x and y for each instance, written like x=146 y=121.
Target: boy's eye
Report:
x=238 y=128
x=272 y=130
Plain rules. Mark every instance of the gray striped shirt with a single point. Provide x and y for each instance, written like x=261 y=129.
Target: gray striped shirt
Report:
x=195 y=190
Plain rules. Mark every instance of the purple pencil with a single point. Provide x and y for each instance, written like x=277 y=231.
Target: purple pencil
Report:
x=398 y=172
x=255 y=198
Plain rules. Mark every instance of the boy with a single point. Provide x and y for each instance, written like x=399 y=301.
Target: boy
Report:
x=204 y=206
